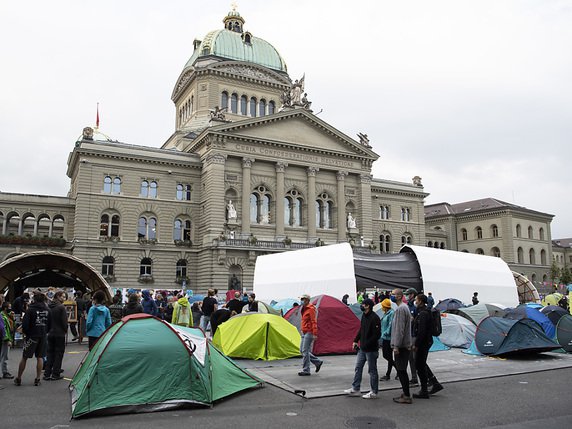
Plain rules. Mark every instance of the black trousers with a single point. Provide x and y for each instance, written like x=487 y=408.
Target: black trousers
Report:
x=426 y=376
x=387 y=355
x=56 y=349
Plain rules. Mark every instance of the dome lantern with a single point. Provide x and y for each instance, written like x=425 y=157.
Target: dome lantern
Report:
x=233 y=21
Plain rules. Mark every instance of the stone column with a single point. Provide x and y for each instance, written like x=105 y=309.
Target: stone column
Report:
x=366 y=225
x=341 y=175
x=280 y=167
x=245 y=209
x=312 y=203
x=212 y=202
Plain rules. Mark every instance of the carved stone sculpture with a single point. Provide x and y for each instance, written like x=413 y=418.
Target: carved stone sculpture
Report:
x=351 y=222
x=217 y=114
x=88 y=133
x=231 y=211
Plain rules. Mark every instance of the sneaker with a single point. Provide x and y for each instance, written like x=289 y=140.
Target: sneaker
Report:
x=18 y=381
x=74 y=338
x=8 y=376
x=47 y=377
x=421 y=395
x=403 y=400
x=385 y=378
x=397 y=377
x=413 y=382
x=352 y=392
x=303 y=373
x=37 y=382
x=56 y=377
x=437 y=387
x=370 y=395
x=319 y=366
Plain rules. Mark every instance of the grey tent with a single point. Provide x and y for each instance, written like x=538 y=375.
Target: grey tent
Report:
x=457 y=331
x=476 y=313
x=564 y=332
x=498 y=336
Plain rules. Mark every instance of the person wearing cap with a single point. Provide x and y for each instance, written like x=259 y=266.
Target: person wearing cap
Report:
x=386 y=337
x=401 y=343
x=309 y=327
x=366 y=343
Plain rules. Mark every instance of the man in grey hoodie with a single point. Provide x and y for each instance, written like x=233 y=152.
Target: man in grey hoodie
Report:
x=401 y=343
x=56 y=337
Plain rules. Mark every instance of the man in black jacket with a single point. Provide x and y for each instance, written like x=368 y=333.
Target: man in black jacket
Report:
x=423 y=340
x=56 y=337
x=368 y=339
x=35 y=326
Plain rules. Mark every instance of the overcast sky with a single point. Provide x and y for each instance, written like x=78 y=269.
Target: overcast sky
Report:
x=473 y=96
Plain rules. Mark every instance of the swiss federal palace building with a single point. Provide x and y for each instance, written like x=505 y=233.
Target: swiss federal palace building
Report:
x=249 y=170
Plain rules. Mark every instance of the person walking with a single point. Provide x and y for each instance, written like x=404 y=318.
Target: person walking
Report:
x=56 y=337
x=210 y=305
x=309 y=327
x=366 y=343
x=401 y=344
x=8 y=320
x=35 y=326
x=386 y=321
x=98 y=319
x=411 y=293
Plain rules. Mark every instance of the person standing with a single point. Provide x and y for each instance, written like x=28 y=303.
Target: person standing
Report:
x=116 y=309
x=475 y=298
x=148 y=303
x=182 y=314
x=210 y=305
x=252 y=303
x=367 y=350
x=98 y=319
x=8 y=319
x=430 y=301
x=78 y=328
x=133 y=306
x=401 y=344
x=309 y=327
x=35 y=326
x=386 y=321
x=235 y=304
x=411 y=294
x=56 y=337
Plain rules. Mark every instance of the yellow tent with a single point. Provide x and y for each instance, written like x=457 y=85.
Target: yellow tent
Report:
x=552 y=299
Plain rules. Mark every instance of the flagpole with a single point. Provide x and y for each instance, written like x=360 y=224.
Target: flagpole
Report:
x=97 y=117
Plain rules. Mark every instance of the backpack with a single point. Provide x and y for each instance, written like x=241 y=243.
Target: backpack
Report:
x=436 y=327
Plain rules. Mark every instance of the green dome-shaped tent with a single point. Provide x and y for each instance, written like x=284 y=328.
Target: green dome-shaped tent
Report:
x=143 y=364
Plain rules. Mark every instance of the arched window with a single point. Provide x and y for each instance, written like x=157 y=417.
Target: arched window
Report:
x=464 y=235
x=260 y=206
x=479 y=251
x=58 y=227
x=543 y=257
x=478 y=233
x=153 y=189
x=107 y=266
x=324 y=211
x=495 y=251
x=28 y=225
x=430 y=244
x=384 y=212
x=253 y=107
x=530 y=232
x=541 y=234
x=520 y=255
x=224 y=100
x=518 y=231
x=182 y=230
x=406 y=239
x=494 y=231
x=183 y=192
x=271 y=107
x=442 y=245
x=144 y=189
x=532 y=256
x=405 y=214
x=181 y=268
x=533 y=278
x=385 y=242
x=293 y=208
x=436 y=245
x=116 y=185
x=147 y=228
x=243 y=103
x=234 y=103
x=146 y=267
x=262 y=107
x=44 y=225
x=107 y=184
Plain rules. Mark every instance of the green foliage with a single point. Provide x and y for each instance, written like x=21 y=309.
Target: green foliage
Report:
x=554 y=272
x=565 y=276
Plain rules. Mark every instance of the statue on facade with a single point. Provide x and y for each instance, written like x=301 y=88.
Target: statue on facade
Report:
x=363 y=139
x=296 y=92
x=235 y=283
x=88 y=133
x=305 y=102
x=417 y=181
x=231 y=211
x=351 y=222
x=218 y=114
x=286 y=100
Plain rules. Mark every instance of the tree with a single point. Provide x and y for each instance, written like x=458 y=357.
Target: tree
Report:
x=565 y=276
x=554 y=272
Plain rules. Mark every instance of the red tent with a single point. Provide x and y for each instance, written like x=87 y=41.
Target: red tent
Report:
x=337 y=325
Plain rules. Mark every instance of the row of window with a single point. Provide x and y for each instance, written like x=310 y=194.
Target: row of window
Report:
x=246 y=106
x=385 y=241
x=436 y=244
x=385 y=213
x=148 y=188
x=494 y=233
x=186 y=109
x=560 y=258
x=28 y=224
x=145 y=267
x=531 y=256
x=146 y=227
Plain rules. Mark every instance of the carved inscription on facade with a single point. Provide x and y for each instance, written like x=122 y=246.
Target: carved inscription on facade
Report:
x=283 y=154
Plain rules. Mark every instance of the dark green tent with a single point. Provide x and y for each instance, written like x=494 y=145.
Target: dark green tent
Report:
x=564 y=332
x=143 y=364
x=498 y=336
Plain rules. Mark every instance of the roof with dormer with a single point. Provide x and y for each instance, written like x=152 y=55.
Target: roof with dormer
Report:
x=468 y=207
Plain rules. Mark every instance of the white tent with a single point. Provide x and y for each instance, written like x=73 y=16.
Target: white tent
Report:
x=450 y=274
x=321 y=270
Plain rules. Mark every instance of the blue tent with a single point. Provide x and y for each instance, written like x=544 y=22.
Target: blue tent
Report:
x=499 y=336
x=284 y=304
x=554 y=313
x=532 y=305
x=449 y=304
x=196 y=298
x=526 y=312
x=472 y=350
x=438 y=346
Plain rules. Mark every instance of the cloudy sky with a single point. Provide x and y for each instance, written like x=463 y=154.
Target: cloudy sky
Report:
x=473 y=96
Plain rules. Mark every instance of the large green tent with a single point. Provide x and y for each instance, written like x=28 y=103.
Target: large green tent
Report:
x=143 y=364
x=258 y=336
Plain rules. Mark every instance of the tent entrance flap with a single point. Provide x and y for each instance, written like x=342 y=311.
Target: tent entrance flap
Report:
x=388 y=271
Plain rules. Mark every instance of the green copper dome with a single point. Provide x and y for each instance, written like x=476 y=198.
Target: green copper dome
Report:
x=234 y=44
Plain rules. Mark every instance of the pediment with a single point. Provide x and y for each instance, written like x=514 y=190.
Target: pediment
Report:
x=299 y=130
